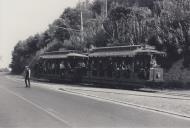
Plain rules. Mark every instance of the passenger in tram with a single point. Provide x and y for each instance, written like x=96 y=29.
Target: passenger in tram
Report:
x=127 y=72
x=153 y=62
x=82 y=69
x=96 y=67
x=101 y=68
x=45 y=69
x=137 y=66
x=68 y=67
x=62 y=69
x=141 y=73
x=115 y=69
x=109 y=69
x=48 y=68
x=81 y=65
x=53 y=67
x=118 y=70
x=40 y=68
x=93 y=68
x=147 y=73
x=123 y=69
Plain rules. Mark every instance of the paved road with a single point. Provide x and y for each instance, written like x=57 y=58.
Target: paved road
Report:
x=36 y=107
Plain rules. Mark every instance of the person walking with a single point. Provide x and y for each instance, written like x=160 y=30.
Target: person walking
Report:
x=27 y=76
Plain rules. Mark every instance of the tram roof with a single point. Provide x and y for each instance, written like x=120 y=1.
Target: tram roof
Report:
x=124 y=51
x=62 y=55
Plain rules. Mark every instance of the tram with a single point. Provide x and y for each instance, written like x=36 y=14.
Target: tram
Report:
x=121 y=65
x=126 y=65
x=67 y=65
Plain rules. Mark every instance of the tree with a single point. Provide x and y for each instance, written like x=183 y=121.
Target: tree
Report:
x=44 y=39
x=59 y=30
x=18 y=55
x=72 y=18
x=96 y=7
x=161 y=23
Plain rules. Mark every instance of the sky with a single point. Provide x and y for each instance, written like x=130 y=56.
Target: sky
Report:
x=20 y=19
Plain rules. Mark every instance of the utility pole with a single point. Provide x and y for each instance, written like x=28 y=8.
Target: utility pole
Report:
x=106 y=8
x=82 y=28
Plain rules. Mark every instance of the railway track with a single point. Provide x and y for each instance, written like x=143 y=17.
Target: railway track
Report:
x=176 y=94
x=167 y=95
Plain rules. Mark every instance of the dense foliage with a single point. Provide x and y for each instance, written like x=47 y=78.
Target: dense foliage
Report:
x=162 y=23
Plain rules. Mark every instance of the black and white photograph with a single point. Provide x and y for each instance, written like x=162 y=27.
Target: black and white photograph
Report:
x=94 y=63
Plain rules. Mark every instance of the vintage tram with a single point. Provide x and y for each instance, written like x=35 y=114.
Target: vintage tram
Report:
x=67 y=65
x=125 y=65
x=121 y=65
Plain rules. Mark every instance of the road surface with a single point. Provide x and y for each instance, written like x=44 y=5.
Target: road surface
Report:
x=37 y=107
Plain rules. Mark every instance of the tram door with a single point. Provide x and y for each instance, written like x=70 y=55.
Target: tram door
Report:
x=156 y=74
